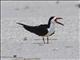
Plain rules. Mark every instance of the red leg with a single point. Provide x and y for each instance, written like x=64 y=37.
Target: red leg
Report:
x=47 y=40
x=43 y=40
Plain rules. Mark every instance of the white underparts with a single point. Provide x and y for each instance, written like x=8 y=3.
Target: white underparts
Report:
x=51 y=29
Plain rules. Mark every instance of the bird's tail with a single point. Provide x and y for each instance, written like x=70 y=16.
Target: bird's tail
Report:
x=20 y=23
x=29 y=28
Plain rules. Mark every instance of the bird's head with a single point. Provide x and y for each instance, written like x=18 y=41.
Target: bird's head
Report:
x=55 y=19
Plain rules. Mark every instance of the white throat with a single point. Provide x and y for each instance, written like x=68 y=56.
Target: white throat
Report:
x=51 y=29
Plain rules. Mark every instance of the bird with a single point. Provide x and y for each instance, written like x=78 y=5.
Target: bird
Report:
x=44 y=30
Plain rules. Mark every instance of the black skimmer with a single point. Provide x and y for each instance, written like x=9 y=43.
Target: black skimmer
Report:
x=44 y=30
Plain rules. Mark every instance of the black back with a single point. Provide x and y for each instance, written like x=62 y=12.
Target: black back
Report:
x=40 y=30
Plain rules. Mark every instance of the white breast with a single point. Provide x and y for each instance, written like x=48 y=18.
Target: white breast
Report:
x=51 y=29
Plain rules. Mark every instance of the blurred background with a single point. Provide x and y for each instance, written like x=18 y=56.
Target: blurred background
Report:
x=64 y=44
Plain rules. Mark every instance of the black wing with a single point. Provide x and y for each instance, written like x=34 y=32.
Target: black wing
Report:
x=40 y=30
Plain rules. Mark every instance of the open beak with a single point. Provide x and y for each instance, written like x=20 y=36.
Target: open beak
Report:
x=59 y=18
x=59 y=22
